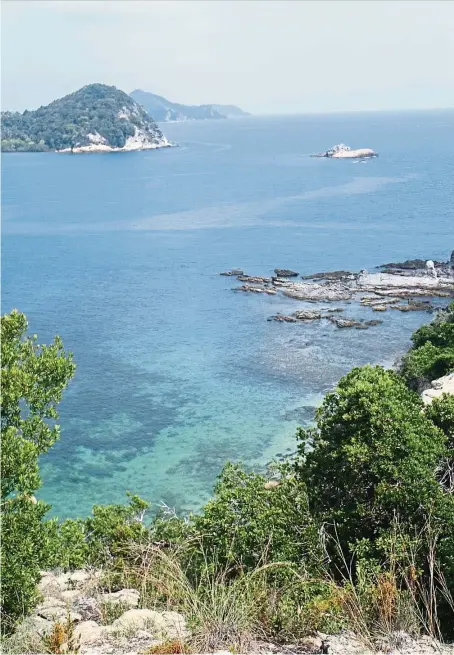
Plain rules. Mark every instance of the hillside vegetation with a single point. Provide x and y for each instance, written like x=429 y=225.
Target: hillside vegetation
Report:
x=356 y=531
x=94 y=114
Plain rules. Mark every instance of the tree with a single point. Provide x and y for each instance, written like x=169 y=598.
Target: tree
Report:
x=374 y=456
x=33 y=378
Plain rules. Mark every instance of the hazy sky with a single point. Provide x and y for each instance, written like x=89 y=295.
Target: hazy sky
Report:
x=266 y=56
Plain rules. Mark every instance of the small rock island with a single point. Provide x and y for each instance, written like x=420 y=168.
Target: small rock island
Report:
x=341 y=151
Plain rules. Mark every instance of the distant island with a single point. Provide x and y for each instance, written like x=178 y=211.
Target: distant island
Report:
x=342 y=151
x=96 y=118
x=164 y=110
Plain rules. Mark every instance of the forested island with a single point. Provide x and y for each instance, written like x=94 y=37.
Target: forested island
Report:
x=95 y=118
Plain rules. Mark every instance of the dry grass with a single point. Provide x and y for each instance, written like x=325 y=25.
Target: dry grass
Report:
x=221 y=613
x=169 y=648
x=395 y=597
x=62 y=639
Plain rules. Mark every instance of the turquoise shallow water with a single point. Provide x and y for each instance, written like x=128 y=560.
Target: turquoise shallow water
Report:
x=120 y=254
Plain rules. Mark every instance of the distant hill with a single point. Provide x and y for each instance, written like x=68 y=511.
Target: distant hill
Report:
x=94 y=118
x=230 y=111
x=164 y=110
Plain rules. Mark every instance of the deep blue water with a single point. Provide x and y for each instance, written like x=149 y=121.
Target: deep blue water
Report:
x=120 y=254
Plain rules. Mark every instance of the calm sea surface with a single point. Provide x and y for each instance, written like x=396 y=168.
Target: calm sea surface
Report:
x=176 y=374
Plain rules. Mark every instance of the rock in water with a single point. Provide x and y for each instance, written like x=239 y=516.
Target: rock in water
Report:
x=346 y=322
x=233 y=272
x=285 y=272
x=307 y=315
x=341 y=151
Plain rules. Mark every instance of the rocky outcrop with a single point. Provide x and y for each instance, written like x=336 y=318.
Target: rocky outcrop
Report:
x=251 y=279
x=233 y=273
x=163 y=625
x=406 y=289
x=319 y=292
x=346 y=322
x=438 y=388
x=251 y=289
x=126 y=597
x=88 y=607
x=330 y=275
x=409 y=265
x=305 y=316
x=341 y=151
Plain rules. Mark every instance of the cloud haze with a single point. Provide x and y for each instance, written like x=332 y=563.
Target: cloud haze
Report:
x=266 y=56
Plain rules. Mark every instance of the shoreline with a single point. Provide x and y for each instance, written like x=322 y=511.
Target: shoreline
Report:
x=100 y=147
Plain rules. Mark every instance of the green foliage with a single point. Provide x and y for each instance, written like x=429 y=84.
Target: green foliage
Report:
x=426 y=363
x=33 y=378
x=441 y=412
x=110 y=611
x=251 y=521
x=374 y=455
x=24 y=549
x=105 y=536
x=68 y=545
x=432 y=355
x=111 y=528
x=67 y=122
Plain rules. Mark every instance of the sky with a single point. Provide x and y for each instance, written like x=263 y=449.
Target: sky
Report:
x=268 y=57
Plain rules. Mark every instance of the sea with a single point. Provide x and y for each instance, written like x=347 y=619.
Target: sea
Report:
x=177 y=374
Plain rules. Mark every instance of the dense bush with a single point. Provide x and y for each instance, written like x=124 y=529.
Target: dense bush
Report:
x=373 y=455
x=251 y=521
x=33 y=378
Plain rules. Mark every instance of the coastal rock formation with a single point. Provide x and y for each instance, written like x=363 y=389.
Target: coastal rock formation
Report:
x=281 y=318
x=319 y=292
x=254 y=279
x=233 y=273
x=330 y=275
x=409 y=265
x=252 y=289
x=341 y=151
x=346 y=322
x=406 y=289
x=307 y=315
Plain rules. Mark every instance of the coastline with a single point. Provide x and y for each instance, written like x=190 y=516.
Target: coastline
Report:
x=131 y=147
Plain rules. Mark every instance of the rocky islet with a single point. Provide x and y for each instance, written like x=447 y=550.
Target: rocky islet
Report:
x=408 y=286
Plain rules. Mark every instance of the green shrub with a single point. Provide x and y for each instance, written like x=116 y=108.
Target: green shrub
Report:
x=426 y=363
x=252 y=520
x=33 y=379
x=373 y=456
x=432 y=354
